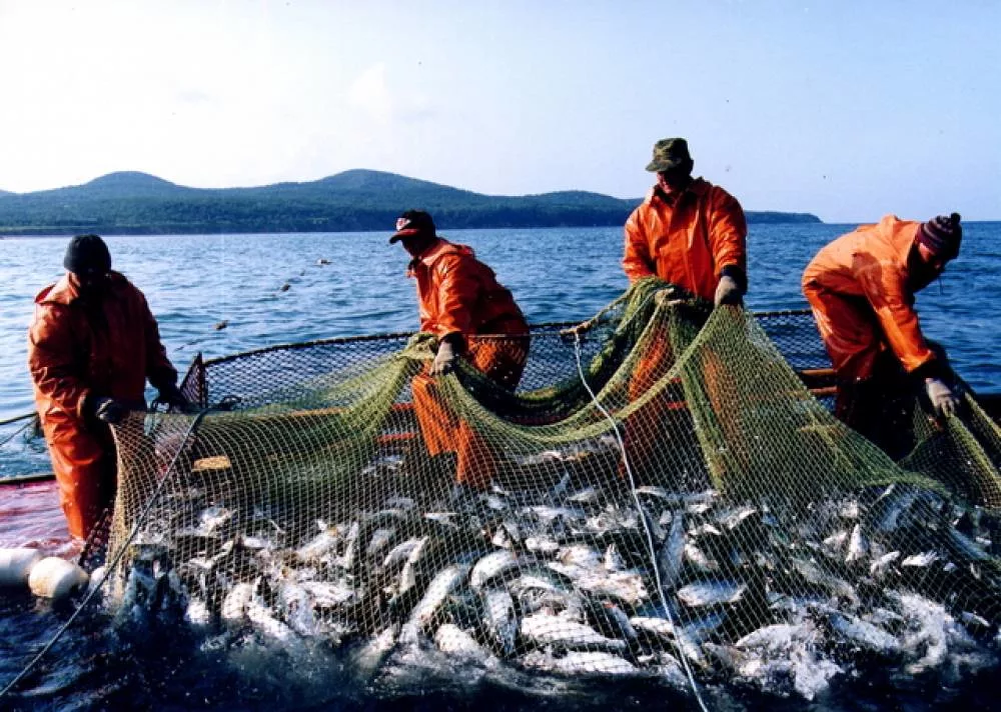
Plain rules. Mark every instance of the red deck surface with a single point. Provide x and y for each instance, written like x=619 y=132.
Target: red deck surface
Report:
x=30 y=516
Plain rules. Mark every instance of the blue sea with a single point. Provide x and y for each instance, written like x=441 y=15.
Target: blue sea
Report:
x=222 y=294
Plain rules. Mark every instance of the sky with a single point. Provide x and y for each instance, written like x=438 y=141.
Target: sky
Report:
x=845 y=109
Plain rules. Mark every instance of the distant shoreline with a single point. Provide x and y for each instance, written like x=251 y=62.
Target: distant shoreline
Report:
x=133 y=203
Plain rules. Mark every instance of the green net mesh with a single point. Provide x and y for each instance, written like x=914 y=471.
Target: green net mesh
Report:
x=664 y=494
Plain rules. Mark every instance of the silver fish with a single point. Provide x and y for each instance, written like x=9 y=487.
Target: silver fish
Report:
x=443 y=584
x=492 y=566
x=670 y=557
x=500 y=619
x=863 y=634
x=560 y=632
x=582 y=662
x=711 y=593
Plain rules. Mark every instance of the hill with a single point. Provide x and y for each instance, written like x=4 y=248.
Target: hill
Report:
x=139 y=203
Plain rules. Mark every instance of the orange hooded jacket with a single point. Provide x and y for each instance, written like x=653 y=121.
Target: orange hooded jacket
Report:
x=858 y=287
x=75 y=351
x=458 y=293
x=687 y=239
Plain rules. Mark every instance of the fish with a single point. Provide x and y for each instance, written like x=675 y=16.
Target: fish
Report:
x=500 y=620
x=493 y=566
x=864 y=634
x=562 y=633
x=711 y=593
x=670 y=556
x=443 y=584
x=581 y=662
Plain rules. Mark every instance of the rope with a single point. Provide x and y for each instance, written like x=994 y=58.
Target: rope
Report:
x=121 y=552
x=646 y=526
x=16 y=432
x=17 y=418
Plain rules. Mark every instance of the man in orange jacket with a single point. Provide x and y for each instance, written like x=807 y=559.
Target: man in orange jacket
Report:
x=91 y=347
x=693 y=234
x=687 y=231
x=861 y=287
x=460 y=300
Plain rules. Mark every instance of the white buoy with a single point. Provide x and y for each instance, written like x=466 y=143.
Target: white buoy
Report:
x=16 y=564
x=56 y=578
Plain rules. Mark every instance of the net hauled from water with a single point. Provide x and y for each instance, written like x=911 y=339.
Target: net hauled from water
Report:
x=662 y=497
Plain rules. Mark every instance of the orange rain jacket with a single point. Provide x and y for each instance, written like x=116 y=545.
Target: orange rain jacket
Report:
x=460 y=294
x=75 y=351
x=686 y=239
x=858 y=288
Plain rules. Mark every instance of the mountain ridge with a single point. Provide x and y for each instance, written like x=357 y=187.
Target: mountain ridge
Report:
x=133 y=202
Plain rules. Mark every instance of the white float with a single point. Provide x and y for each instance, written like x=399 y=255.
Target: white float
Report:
x=56 y=578
x=16 y=564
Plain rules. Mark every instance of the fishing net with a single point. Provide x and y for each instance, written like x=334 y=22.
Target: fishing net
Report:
x=665 y=494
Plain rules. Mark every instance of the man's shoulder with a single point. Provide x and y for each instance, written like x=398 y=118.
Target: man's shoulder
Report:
x=60 y=292
x=700 y=186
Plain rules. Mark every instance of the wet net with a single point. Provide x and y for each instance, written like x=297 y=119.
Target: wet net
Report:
x=664 y=495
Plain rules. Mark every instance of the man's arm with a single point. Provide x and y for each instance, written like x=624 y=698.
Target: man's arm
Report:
x=51 y=362
x=636 y=260
x=728 y=238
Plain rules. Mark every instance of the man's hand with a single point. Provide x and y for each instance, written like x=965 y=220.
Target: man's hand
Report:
x=444 y=360
x=171 y=396
x=728 y=292
x=109 y=410
x=943 y=400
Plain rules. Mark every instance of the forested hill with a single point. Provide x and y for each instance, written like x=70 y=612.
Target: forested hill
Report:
x=138 y=203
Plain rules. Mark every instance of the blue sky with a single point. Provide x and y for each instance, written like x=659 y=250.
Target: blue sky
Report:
x=849 y=110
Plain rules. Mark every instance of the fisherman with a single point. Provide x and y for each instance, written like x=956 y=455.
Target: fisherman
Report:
x=460 y=300
x=861 y=287
x=687 y=231
x=91 y=347
x=692 y=234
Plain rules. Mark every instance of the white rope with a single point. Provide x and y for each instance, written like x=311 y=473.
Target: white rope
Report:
x=643 y=519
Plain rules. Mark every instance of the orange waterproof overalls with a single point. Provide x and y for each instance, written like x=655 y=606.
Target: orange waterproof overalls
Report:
x=102 y=347
x=688 y=239
x=459 y=294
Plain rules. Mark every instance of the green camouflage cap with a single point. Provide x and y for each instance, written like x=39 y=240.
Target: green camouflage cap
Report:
x=669 y=153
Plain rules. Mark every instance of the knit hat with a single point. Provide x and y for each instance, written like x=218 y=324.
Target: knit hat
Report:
x=87 y=254
x=942 y=235
x=413 y=222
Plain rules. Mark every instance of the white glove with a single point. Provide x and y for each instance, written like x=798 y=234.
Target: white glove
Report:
x=444 y=360
x=943 y=400
x=727 y=292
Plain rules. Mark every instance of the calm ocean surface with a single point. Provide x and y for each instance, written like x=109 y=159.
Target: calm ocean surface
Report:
x=195 y=282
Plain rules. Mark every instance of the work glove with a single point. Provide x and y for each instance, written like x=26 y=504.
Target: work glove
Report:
x=728 y=292
x=172 y=397
x=109 y=410
x=943 y=400
x=444 y=360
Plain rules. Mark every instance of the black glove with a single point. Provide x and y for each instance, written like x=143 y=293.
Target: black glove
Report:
x=108 y=410
x=171 y=396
